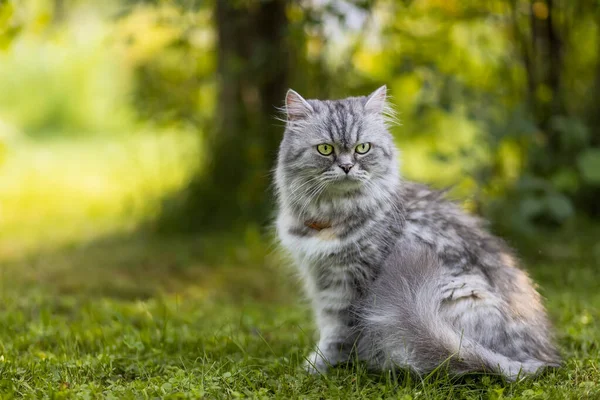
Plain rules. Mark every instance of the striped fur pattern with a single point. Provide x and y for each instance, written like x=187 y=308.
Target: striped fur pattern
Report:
x=400 y=277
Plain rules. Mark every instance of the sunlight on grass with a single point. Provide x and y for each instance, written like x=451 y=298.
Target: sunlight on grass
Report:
x=90 y=310
x=62 y=190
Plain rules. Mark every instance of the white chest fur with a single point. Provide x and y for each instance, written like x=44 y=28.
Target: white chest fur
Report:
x=307 y=249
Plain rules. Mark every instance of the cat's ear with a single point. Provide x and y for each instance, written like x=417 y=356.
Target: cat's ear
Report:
x=376 y=102
x=296 y=107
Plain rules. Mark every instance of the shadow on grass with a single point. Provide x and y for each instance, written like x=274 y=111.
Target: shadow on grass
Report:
x=140 y=266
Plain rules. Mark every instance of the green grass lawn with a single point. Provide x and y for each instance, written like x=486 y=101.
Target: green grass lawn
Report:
x=143 y=317
x=130 y=315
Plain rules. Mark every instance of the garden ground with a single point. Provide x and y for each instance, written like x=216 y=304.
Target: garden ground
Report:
x=100 y=310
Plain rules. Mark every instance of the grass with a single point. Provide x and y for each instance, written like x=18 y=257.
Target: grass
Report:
x=110 y=313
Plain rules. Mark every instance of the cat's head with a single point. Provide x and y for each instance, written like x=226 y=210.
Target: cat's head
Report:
x=335 y=148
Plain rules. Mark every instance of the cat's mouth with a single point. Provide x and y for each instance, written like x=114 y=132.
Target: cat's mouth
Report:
x=346 y=184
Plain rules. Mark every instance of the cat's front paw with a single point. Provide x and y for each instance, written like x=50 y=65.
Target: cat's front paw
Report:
x=316 y=363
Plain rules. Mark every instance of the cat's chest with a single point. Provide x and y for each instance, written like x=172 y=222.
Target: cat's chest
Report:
x=324 y=250
x=331 y=262
x=314 y=250
x=309 y=245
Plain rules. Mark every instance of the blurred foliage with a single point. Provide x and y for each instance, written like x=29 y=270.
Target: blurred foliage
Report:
x=60 y=79
x=107 y=108
x=498 y=98
x=474 y=91
x=171 y=49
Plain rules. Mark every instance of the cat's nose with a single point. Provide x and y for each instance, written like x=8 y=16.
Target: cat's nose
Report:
x=346 y=167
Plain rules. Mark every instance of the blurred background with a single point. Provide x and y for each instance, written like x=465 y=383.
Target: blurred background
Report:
x=137 y=140
x=137 y=137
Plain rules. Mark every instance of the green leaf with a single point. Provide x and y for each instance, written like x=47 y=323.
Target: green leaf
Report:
x=566 y=180
x=573 y=132
x=589 y=165
x=530 y=207
x=532 y=183
x=559 y=206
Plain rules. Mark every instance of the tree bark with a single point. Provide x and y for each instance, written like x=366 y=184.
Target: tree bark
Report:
x=233 y=187
x=545 y=68
x=587 y=197
x=593 y=114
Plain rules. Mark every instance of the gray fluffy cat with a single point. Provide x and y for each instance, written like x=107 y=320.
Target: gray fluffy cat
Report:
x=398 y=276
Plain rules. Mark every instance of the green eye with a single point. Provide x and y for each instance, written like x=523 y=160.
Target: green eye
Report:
x=363 y=148
x=325 y=149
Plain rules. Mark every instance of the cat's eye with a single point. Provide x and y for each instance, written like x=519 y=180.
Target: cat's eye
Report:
x=325 y=149
x=363 y=148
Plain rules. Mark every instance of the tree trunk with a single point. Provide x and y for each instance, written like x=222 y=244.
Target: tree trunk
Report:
x=59 y=11
x=588 y=195
x=593 y=114
x=547 y=64
x=233 y=187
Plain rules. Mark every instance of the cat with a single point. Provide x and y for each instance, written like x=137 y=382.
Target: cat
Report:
x=398 y=276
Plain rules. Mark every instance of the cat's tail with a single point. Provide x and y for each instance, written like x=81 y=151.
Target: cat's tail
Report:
x=403 y=326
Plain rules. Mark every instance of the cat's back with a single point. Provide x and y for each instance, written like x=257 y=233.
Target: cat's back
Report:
x=459 y=239
x=430 y=208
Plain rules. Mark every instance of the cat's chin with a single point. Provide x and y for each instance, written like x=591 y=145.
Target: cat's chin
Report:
x=345 y=185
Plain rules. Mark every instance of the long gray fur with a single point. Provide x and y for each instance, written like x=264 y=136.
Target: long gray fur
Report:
x=399 y=276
